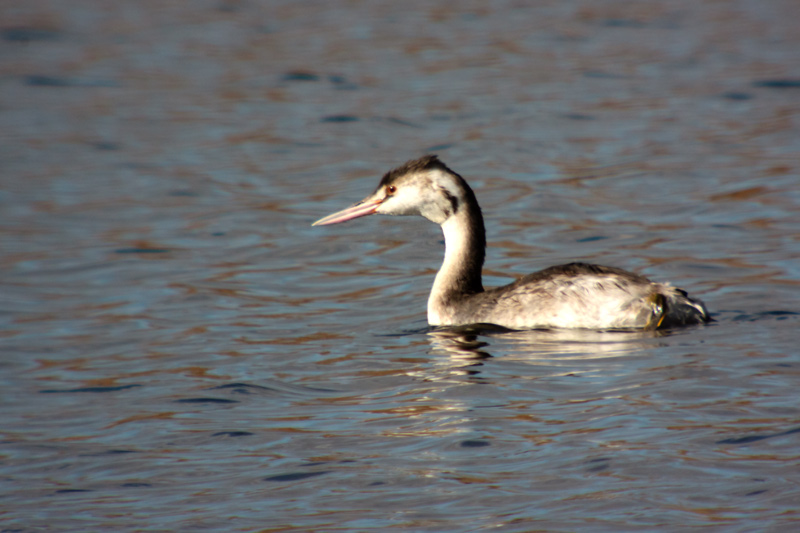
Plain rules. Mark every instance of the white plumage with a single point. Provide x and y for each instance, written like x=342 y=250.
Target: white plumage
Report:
x=576 y=295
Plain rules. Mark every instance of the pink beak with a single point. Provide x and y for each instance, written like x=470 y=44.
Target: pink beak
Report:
x=361 y=209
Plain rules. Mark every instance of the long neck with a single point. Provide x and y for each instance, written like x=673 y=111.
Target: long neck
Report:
x=460 y=274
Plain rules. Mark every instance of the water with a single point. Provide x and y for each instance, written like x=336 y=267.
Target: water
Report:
x=182 y=351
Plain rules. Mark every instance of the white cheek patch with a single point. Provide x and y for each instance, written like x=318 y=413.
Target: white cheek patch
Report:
x=432 y=195
x=403 y=202
x=448 y=192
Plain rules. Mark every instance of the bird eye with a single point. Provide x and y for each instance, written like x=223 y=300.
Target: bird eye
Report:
x=391 y=189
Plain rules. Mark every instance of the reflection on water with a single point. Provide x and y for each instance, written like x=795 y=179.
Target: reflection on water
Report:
x=180 y=350
x=543 y=344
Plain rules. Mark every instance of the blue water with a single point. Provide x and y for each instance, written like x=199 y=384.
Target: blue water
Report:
x=181 y=350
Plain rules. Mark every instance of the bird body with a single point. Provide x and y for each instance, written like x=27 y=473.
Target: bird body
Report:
x=575 y=295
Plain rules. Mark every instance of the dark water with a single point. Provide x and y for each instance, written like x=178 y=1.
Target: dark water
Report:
x=182 y=351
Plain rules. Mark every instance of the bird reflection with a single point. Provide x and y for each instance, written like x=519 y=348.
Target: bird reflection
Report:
x=471 y=344
x=461 y=344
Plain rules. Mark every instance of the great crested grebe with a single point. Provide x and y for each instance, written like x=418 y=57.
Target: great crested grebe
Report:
x=576 y=295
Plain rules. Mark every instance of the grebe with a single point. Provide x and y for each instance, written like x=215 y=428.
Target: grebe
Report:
x=576 y=295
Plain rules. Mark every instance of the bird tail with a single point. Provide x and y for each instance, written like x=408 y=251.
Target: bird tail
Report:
x=681 y=310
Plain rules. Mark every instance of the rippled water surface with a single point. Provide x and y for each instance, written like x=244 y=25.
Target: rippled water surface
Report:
x=180 y=350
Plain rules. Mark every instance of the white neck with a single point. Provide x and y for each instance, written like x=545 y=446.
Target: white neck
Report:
x=460 y=273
